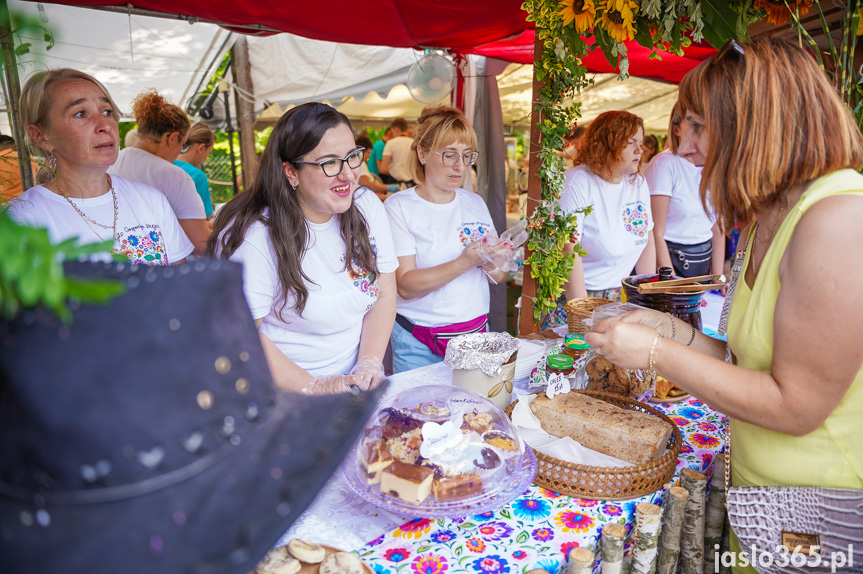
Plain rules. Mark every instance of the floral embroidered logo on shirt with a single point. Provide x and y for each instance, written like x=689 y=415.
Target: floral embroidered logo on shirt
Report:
x=472 y=232
x=360 y=277
x=635 y=218
x=147 y=248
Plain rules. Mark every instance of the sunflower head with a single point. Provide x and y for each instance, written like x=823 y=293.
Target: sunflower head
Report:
x=618 y=18
x=778 y=12
x=582 y=12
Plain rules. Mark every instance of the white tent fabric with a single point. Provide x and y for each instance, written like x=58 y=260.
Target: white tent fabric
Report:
x=288 y=69
x=127 y=54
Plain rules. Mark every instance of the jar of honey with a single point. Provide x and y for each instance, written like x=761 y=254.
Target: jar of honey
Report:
x=575 y=346
x=559 y=364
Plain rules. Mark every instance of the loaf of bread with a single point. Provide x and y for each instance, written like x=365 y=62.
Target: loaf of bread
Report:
x=632 y=436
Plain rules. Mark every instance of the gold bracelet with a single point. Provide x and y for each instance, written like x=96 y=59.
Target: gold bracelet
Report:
x=651 y=362
x=692 y=338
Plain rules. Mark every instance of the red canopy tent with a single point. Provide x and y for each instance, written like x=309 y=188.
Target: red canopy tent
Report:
x=494 y=28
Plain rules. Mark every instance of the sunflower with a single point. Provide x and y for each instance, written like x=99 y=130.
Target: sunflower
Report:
x=582 y=12
x=779 y=13
x=618 y=17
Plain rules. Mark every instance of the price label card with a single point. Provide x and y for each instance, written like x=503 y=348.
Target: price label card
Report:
x=438 y=437
x=557 y=384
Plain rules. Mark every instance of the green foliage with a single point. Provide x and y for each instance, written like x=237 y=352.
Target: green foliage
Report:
x=375 y=134
x=31 y=271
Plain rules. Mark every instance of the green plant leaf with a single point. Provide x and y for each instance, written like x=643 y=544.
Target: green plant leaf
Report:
x=720 y=22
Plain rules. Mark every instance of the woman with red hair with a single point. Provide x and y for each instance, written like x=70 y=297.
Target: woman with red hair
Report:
x=617 y=232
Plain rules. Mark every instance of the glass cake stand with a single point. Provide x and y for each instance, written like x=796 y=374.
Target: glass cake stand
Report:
x=501 y=493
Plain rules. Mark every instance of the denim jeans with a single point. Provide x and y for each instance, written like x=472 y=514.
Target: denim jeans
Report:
x=408 y=353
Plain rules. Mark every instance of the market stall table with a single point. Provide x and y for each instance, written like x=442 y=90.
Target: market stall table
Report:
x=536 y=530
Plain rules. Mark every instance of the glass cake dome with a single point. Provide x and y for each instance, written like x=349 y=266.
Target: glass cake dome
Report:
x=439 y=451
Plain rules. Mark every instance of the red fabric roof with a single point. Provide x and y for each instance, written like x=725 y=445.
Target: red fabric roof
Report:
x=495 y=28
x=670 y=68
x=399 y=23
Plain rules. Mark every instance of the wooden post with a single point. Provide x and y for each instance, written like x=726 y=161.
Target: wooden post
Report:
x=692 y=543
x=527 y=324
x=580 y=561
x=715 y=514
x=613 y=541
x=648 y=521
x=12 y=92
x=245 y=109
x=672 y=528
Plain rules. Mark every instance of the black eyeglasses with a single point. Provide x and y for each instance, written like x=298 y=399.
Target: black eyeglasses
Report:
x=186 y=146
x=450 y=158
x=333 y=167
x=730 y=46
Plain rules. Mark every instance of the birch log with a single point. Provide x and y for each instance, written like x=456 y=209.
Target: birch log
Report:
x=580 y=561
x=725 y=545
x=613 y=541
x=715 y=514
x=692 y=542
x=645 y=547
x=672 y=528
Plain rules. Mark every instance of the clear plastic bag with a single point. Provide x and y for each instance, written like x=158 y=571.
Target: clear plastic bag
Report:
x=600 y=374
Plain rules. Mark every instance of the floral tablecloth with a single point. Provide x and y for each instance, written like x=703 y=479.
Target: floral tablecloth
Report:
x=539 y=528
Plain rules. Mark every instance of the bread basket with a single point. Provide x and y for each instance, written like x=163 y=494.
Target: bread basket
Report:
x=579 y=309
x=610 y=483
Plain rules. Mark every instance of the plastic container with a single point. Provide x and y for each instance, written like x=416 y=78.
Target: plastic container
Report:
x=439 y=451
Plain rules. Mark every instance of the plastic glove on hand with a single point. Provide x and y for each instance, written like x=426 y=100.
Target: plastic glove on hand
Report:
x=517 y=234
x=498 y=252
x=332 y=384
x=369 y=370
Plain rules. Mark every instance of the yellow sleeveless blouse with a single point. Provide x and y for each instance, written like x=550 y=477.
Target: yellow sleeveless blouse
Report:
x=831 y=455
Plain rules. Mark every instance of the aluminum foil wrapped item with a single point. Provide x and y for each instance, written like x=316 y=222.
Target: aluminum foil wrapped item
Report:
x=487 y=352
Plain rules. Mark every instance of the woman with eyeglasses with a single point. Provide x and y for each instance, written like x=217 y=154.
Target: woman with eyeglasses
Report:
x=317 y=255
x=438 y=229
x=162 y=134
x=199 y=145
x=617 y=232
x=72 y=127
x=781 y=153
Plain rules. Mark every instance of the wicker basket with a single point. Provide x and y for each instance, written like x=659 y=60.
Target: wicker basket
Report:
x=579 y=309
x=609 y=483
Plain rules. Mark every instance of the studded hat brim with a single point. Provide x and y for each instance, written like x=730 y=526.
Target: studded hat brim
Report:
x=146 y=436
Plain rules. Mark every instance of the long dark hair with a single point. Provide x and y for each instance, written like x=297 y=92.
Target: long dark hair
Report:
x=297 y=133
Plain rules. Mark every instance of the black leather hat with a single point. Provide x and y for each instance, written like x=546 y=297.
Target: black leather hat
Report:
x=146 y=436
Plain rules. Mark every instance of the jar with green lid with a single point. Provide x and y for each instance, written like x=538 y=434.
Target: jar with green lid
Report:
x=575 y=346
x=559 y=364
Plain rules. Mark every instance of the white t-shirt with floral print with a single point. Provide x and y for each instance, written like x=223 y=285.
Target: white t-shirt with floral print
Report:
x=438 y=233
x=147 y=229
x=325 y=340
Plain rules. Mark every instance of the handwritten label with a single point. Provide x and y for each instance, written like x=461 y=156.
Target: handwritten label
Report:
x=438 y=437
x=557 y=384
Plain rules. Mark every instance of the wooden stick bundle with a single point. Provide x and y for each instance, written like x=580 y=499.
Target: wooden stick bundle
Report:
x=613 y=541
x=692 y=543
x=648 y=521
x=672 y=528
x=715 y=514
x=580 y=561
x=659 y=288
x=724 y=546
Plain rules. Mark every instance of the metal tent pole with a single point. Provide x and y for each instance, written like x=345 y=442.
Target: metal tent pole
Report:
x=12 y=92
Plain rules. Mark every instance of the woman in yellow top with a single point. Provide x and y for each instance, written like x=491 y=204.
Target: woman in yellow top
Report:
x=780 y=151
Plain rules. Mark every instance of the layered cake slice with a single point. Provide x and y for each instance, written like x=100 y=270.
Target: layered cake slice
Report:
x=409 y=482
x=378 y=458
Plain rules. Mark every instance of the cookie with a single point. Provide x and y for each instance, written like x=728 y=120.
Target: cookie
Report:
x=341 y=563
x=278 y=561
x=308 y=552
